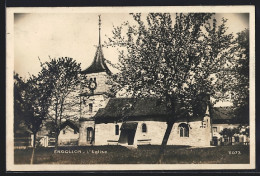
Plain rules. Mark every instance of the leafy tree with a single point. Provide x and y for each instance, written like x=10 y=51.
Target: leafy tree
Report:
x=18 y=101
x=229 y=132
x=62 y=75
x=240 y=92
x=31 y=103
x=180 y=63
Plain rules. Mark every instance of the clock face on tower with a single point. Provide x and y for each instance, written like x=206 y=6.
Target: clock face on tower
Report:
x=92 y=85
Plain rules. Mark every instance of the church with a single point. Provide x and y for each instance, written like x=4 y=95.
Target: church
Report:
x=129 y=121
x=103 y=120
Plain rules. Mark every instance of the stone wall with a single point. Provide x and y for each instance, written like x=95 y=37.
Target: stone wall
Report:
x=97 y=101
x=101 y=80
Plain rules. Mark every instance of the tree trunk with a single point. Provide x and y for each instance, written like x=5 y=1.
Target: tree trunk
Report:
x=165 y=140
x=34 y=145
x=34 y=140
x=56 y=139
x=32 y=157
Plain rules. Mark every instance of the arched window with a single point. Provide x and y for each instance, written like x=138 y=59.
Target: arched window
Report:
x=144 y=128
x=95 y=79
x=89 y=134
x=117 y=130
x=184 y=130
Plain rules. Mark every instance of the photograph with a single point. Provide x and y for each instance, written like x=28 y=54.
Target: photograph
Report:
x=130 y=88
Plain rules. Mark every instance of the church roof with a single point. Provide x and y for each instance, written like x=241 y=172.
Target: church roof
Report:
x=132 y=109
x=152 y=109
x=137 y=109
x=98 y=64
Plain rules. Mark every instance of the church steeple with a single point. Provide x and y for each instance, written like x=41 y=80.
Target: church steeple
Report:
x=99 y=24
x=98 y=64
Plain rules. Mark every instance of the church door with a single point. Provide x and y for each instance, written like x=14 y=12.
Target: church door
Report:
x=131 y=136
x=90 y=135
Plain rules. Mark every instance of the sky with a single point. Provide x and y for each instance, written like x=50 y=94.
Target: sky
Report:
x=75 y=35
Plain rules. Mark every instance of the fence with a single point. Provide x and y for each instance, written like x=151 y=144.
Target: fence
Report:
x=22 y=142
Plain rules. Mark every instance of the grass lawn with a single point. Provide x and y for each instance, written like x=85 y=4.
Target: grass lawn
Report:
x=141 y=155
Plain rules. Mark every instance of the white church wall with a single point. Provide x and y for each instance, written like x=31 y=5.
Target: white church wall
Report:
x=105 y=133
x=153 y=135
x=199 y=134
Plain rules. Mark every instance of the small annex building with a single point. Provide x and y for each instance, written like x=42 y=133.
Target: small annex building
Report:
x=69 y=134
x=223 y=118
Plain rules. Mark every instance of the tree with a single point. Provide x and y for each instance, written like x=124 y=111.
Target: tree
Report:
x=240 y=92
x=18 y=101
x=181 y=64
x=62 y=76
x=229 y=133
x=31 y=103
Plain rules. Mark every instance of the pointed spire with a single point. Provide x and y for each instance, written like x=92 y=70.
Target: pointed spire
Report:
x=99 y=24
x=98 y=64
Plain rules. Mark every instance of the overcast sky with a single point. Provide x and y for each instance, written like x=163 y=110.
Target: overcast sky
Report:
x=74 y=35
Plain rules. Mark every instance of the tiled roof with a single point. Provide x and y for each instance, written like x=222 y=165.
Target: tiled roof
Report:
x=130 y=109
x=125 y=109
x=222 y=115
x=152 y=109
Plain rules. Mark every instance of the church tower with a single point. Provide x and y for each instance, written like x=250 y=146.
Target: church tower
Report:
x=93 y=94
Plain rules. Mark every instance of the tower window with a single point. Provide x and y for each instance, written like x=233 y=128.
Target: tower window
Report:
x=90 y=107
x=144 y=128
x=117 y=130
x=95 y=79
x=64 y=131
